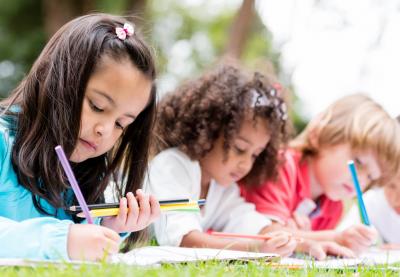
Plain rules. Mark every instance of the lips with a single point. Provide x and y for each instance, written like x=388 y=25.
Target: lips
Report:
x=236 y=176
x=349 y=189
x=89 y=145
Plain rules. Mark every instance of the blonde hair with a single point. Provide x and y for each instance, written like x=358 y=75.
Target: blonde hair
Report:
x=360 y=121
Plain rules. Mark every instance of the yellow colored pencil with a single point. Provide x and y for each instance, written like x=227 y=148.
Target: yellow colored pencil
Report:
x=190 y=207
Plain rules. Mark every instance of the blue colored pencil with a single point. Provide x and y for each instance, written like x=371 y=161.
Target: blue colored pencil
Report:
x=361 y=206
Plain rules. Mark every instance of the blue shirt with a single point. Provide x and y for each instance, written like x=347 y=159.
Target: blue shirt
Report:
x=24 y=231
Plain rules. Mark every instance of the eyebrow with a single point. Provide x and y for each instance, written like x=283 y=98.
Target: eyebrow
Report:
x=112 y=102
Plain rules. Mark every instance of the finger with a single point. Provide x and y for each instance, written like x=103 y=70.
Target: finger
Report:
x=154 y=208
x=317 y=251
x=288 y=248
x=278 y=241
x=338 y=250
x=111 y=234
x=356 y=240
x=299 y=220
x=123 y=211
x=291 y=224
x=144 y=205
x=133 y=209
x=369 y=233
x=110 y=246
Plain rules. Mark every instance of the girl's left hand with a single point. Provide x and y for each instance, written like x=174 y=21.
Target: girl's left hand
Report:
x=131 y=218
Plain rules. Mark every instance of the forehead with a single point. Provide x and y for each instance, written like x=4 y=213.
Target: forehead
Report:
x=128 y=87
x=255 y=131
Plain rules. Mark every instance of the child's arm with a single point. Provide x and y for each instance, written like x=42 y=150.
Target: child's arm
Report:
x=357 y=237
x=48 y=238
x=280 y=243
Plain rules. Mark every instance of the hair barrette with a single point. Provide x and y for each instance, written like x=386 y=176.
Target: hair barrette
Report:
x=257 y=99
x=126 y=31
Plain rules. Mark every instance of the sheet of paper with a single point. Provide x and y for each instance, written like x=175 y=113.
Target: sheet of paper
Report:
x=152 y=255
x=34 y=263
x=373 y=257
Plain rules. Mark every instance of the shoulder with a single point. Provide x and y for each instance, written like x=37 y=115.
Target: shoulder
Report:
x=173 y=157
x=293 y=170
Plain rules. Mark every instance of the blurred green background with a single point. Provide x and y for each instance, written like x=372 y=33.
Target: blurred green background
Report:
x=188 y=36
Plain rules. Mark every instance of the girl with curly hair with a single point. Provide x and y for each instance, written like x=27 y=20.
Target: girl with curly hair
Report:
x=212 y=132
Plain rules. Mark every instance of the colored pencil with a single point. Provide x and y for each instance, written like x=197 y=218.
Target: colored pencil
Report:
x=361 y=205
x=200 y=202
x=241 y=236
x=74 y=184
x=183 y=207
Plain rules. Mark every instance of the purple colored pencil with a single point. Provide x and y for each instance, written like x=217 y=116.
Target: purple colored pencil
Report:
x=74 y=184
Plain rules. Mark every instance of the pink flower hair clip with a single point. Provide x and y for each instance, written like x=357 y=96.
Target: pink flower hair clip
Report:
x=125 y=31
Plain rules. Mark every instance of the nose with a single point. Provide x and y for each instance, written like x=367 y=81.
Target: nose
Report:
x=103 y=129
x=245 y=165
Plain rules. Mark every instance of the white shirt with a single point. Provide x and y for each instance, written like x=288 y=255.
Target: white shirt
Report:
x=173 y=175
x=380 y=213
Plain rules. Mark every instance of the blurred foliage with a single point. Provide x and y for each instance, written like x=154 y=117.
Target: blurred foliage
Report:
x=188 y=36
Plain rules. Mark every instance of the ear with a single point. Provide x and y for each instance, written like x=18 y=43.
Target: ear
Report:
x=314 y=130
x=313 y=136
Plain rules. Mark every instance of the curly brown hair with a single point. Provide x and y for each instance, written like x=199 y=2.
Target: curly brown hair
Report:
x=200 y=111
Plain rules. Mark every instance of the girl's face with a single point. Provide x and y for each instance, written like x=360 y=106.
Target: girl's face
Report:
x=392 y=193
x=115 y=95
x=251 y=140
x=329 y=170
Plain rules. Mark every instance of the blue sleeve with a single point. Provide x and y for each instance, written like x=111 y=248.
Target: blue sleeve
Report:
x=42 y=238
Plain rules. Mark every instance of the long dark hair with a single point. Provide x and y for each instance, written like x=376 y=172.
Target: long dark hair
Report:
x=49 y=104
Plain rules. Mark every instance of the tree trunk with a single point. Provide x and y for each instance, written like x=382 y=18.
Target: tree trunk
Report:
x=240 y=30
x=59 y=12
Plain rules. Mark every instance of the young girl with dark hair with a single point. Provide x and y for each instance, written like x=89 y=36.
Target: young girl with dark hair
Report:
x=212 y=132
x=91 y=91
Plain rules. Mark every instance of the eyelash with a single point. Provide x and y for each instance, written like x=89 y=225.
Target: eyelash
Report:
x=94 y=107
x=239 y=151
x=98 y=110
x=119 y=126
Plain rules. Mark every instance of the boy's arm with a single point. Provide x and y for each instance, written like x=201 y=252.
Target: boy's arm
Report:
x=43 y=238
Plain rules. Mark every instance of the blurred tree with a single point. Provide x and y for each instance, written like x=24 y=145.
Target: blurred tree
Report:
x=188 y=36
x=240 y=30
x=57 y=13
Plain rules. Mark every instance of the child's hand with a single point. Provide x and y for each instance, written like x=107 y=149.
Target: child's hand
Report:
x=281 y=243
x=131 y=218
x=91 y=242
x=358 y=237
x=299 y=222
x=320 y=249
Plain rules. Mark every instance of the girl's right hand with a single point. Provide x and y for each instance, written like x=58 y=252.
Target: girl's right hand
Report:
x=281 y=243
x=91 y=242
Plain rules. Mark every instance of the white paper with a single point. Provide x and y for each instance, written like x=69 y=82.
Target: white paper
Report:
x=152 y=255
x=373 y=257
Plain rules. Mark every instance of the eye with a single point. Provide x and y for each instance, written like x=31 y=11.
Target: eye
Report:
x=94 y=107
x=119 y=126
x=239 y=150
x=358 y=162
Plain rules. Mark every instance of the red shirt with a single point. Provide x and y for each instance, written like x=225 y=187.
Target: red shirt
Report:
x=279 y=200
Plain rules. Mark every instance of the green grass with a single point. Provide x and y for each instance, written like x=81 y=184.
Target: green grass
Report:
x=212 y=268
